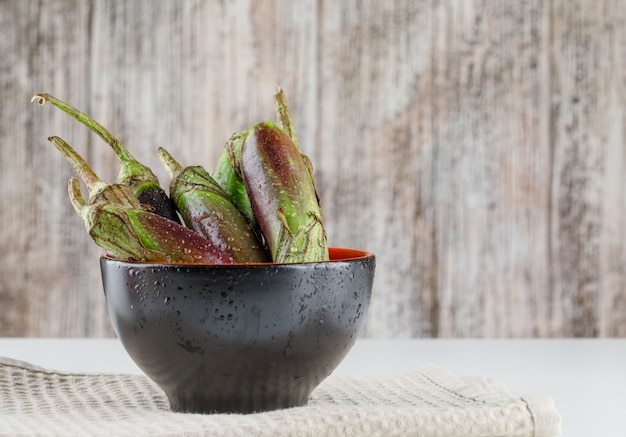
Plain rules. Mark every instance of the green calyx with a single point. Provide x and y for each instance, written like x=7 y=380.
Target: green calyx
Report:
x=110 y=227
x=98 y=189
x=185 y=179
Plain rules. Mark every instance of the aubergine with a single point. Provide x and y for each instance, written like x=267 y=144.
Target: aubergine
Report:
x=282 y=194
x=209 y=211
x=134 y=234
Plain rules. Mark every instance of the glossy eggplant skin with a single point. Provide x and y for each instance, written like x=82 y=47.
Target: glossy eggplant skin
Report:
x=208 y=210
x=282 y=195
x=134 y=234
x=151 y=194
x=177 y=242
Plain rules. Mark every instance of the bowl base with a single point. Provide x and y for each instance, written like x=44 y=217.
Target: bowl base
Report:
x=203 y=405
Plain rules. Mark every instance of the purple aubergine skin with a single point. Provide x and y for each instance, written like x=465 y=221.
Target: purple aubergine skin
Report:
x=155 y=197
x=282 y=195
x=133 y=234
x=179 y=243
x=207 y=209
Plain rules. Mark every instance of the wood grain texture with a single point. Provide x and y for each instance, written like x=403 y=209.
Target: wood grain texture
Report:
x=478 y=148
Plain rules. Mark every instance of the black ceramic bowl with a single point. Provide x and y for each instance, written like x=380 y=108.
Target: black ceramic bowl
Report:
x=239 y=338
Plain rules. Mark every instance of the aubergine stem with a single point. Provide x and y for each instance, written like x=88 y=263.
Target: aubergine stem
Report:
x=134 y=234
x=173 y=167
x=283 y=115
x=122 y=153
x=98 y=189
x=207 y=209
x=285 y=122
x=140 y=178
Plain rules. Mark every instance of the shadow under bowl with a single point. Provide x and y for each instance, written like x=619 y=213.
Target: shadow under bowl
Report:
x=239 y=338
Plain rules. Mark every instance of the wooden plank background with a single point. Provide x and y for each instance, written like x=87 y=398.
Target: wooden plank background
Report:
x=476 y=147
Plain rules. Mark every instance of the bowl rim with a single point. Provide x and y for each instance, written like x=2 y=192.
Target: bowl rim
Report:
x=337 y=255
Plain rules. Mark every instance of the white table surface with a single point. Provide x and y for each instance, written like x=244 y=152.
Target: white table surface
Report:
x=586 y=378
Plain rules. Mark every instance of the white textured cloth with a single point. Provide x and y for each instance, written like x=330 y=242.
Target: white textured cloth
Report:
x=427 y=401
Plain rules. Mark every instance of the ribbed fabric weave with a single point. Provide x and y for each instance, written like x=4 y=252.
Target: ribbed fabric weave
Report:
x=427 y=401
